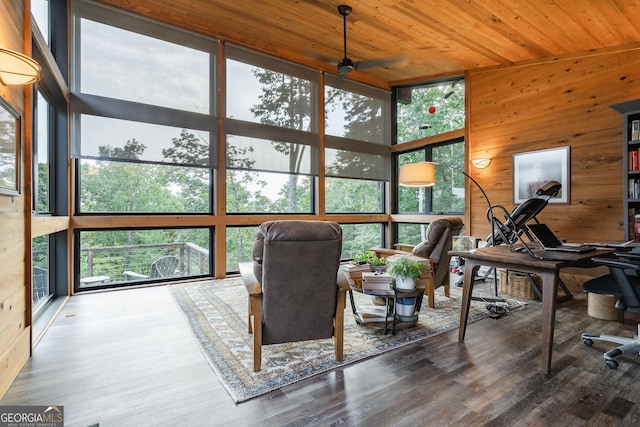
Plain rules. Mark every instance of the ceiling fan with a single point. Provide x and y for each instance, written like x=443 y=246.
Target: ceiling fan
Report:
x=346 y=65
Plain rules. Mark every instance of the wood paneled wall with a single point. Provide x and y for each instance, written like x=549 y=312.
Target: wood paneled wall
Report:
x=556 y=103
x=15 y=342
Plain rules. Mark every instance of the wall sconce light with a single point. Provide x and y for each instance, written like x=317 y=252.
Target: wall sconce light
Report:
x=17 y=69
x=481 y=163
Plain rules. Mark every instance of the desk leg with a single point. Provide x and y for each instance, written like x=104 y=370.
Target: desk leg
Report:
x=470 y=269
x=549 y=289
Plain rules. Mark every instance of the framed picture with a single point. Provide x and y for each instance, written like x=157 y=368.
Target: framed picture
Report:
x=534 y=168
x=9 y=149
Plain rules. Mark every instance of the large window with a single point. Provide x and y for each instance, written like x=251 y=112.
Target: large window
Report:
x=42 y=178
x=40 y=280
x=425 y=111
x=112 y=258
x=429 y=109
x=145 y=139
x=49 y=160
x=40 y=11
x=357 y=147
x=272 y=135
x=447 y=195
x=143 y=113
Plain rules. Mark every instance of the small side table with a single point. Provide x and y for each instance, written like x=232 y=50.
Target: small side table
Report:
x=355 y=283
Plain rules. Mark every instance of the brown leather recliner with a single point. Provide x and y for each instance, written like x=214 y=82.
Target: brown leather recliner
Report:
x=293 y=287
x=435 y=248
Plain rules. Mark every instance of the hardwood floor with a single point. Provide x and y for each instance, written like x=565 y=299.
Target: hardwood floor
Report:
x=127 y=358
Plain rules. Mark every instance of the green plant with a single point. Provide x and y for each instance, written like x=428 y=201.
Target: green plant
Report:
x=374 y=260
x=368 y=257
x=405 y=267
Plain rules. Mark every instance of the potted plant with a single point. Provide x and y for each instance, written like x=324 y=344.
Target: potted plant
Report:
x=405 y=272
x=369 y=257
x=360 y=258
x=377 y=265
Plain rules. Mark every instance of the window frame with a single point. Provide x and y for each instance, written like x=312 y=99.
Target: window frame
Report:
x=428 y=157
x=50 y=144
x=89 y=104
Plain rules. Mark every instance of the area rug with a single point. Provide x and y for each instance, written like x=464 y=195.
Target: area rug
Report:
x=216 y=311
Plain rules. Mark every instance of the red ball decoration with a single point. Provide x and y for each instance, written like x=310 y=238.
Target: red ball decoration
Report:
x=432 y=109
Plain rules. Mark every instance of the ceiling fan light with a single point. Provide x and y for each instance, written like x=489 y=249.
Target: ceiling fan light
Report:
x=345 y=66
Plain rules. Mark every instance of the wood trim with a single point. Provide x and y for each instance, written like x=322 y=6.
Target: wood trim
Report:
x=14 y=358
x=419 y=218
x=41 y=226
x=429 y=140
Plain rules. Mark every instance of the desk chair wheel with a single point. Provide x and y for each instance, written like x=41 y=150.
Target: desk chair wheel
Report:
x=611 y=364
x=609 y=356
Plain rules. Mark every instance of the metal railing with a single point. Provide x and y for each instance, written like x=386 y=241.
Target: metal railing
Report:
x=108 y=264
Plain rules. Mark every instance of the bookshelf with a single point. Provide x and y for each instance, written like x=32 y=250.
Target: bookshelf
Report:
x=630 y=111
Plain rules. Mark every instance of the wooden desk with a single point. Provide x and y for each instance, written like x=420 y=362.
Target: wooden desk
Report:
x=548 y=269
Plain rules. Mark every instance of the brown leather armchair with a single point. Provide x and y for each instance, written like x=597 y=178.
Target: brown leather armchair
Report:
x=436 y=248
x=293 y=287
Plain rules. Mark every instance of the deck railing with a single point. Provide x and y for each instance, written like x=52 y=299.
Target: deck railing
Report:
x=108 y=264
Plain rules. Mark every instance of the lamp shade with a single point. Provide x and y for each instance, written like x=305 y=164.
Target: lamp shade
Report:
x=481 y=163
x=421 y=174
x=17 y=69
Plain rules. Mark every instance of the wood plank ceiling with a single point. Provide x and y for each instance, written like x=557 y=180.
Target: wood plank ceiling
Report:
x=437 y=37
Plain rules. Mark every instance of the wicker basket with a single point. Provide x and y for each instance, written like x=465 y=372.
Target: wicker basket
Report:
x=602 y=306
x=517 y=285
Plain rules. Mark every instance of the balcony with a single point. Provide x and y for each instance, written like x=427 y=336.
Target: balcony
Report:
x=111 y=266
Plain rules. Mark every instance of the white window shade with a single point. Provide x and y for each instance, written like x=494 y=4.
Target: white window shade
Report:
x=245 y=153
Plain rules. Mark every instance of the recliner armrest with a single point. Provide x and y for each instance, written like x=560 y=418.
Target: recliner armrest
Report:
x=386 y=252
x=254 y=288
x=404 y=247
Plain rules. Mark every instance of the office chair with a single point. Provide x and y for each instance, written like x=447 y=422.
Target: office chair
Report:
x=623 y=281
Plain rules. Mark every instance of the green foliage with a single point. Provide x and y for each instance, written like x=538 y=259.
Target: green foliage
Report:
x=359 y=237
x=414 y=116
x=404 y=267
x=42 y=197
x=353 y=196
x=368 y=257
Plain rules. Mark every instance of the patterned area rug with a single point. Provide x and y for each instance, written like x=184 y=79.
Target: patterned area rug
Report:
x=216 y=311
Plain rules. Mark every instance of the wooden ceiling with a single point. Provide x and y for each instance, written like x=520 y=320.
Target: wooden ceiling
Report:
x=437 y=37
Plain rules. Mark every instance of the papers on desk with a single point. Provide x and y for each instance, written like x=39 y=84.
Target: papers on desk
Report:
x=629 y=243
x=616 y=244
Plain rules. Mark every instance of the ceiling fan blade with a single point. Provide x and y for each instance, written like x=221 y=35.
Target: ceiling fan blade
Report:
x=399 y=61
x=322 y=58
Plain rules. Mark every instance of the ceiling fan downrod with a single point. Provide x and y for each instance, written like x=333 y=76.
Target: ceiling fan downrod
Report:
x=345 y=65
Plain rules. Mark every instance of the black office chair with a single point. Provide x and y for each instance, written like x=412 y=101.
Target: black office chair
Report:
x=623 y=281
